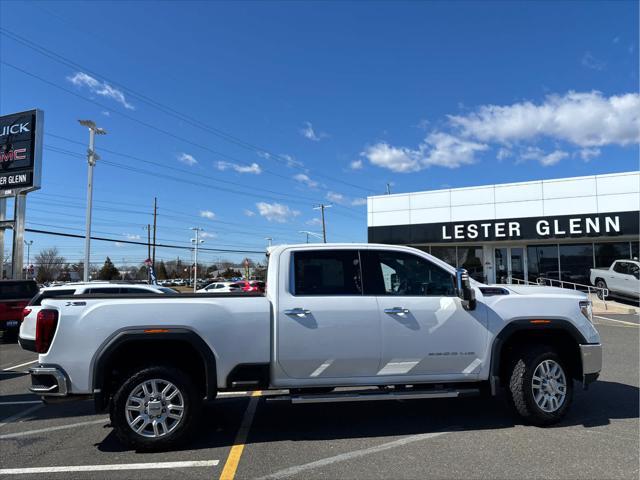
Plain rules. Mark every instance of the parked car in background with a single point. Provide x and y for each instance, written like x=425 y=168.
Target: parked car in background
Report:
x=253 y=286
x=29 y=311
x=622 y=278
x=221 y=287
x=14 y=295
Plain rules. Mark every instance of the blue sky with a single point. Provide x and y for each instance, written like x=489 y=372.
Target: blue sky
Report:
x=300 y=103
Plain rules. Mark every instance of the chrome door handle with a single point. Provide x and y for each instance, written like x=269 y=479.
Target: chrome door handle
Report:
x=297 y=311
x=397 y=311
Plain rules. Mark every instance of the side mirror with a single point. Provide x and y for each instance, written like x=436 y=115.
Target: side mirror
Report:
x=464 y=290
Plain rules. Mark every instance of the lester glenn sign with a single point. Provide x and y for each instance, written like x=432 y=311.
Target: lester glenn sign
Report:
x=21 y=150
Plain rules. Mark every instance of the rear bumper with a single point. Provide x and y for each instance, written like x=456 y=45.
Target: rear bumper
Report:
x=591 y=356
x=48 y=381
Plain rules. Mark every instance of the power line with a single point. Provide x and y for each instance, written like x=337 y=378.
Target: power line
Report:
x=263 y=152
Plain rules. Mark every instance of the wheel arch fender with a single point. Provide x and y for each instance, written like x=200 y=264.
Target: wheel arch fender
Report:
x=521 y=327
x=127 y=337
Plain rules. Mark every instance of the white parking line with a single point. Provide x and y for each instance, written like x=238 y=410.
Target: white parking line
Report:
x=8 y=369
x=24 y=402
x=112 y=467
x=617 y=321
x=20 y=415
x=295 y=470
x=52 y=429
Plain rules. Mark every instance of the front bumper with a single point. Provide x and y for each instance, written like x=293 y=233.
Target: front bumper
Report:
x=591 y=356
x=48 y=381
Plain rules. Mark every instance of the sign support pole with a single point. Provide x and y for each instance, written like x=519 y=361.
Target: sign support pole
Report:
x=3 y=217
x=20 y=209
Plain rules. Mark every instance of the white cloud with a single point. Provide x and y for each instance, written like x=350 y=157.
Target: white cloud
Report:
x=302 y=178
x=503 y=153
x=545 y=159
x=187 y=159
x=291 y=161
x=336 y=197
x=276 y=212
x=437 y=149
x=356 y=165
x=254 y=168
x=589 y=61
x=357 y=202
x=308 y=132
x=207 y=214
x=587 y=154
x=204 y=235
x=119 y=244
x=106 y=113
x=131 y=236
x=583 y=119
x=313 y=222
x=249 y=213
x=81 y=79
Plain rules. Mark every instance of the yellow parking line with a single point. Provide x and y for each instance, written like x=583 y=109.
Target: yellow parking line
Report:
x=233 y=460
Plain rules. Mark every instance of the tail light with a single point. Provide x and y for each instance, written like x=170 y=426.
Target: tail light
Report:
x=46 y=324
x=25 y=312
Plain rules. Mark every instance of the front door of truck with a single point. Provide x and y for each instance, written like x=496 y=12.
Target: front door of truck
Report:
x=425 y=329
x=326 y=328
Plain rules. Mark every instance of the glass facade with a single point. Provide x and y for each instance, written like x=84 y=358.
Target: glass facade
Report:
x=543 y=262
x=606 y=253
x=568 y=262
x=576 y=262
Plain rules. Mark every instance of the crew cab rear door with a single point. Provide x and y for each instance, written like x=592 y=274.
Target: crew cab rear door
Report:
x=425 y=330
x=325 y=327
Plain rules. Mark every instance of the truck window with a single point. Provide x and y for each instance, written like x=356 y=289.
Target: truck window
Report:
x=634 y=270
x=404 y=274
x=621 y=267
x=327 y=272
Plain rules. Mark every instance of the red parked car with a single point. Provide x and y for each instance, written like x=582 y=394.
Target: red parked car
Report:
x=14 y=296
x=251 y=286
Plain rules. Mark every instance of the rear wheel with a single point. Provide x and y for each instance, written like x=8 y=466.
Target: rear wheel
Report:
x=540 y=386
x=157 y=408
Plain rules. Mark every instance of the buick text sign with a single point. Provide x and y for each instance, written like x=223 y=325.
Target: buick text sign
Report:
x=530 y=228
x=20 y=151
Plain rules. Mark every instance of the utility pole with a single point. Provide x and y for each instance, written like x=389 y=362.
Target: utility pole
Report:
x=28 y=244
x=92 y=157
x=196 y=241
x=148 y=229
x=388 y=189
x=269 y=239
x=322 y=207
x=155 y=214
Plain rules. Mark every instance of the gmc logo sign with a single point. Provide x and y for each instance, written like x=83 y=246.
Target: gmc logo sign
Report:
x=13 y=154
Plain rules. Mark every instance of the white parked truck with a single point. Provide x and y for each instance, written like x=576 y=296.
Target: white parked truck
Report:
x=622 y=278
x=390 y=322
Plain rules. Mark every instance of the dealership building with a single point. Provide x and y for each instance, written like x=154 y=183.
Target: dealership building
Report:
x=555 y=229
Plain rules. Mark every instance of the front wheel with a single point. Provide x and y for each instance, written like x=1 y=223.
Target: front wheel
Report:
x=157 y=408
x=540 y=386
x=601 y=284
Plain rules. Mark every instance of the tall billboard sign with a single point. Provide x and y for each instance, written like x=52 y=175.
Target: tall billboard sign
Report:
x=20 y=152
x=20 y=172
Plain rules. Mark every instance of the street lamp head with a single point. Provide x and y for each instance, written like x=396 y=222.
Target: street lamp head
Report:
x=91 y=125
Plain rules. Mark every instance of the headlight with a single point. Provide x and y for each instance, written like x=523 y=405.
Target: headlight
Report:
x=586 y=310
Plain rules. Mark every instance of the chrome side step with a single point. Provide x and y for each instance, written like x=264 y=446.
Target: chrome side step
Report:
x=369 y=395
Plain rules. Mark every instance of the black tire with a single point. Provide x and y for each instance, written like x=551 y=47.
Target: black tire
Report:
x=192 y=404
x=521 y=394
x=600 y=284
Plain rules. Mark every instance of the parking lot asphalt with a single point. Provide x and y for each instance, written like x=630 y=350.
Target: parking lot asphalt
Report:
x=461 y=438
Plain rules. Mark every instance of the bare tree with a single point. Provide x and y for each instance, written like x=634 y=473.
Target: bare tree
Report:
x=49 y=263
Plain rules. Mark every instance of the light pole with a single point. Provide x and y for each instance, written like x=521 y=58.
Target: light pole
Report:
x=92 y=157
x=196 y=241
x=322 y=207
x=28 y=244
x=269 y=239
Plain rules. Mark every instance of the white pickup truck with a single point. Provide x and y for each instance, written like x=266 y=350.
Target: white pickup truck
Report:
x=622 y=278
x=390 y=322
